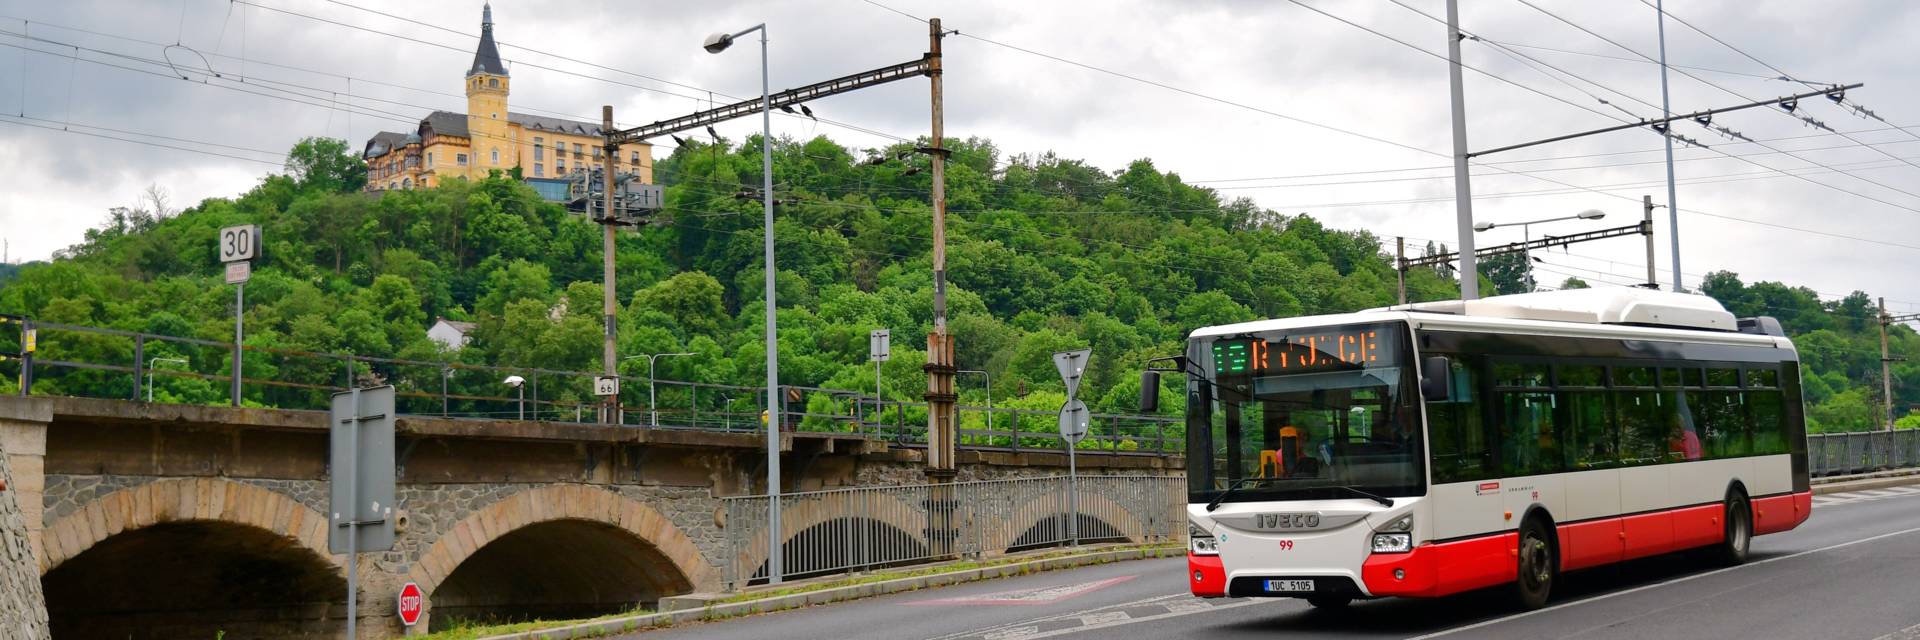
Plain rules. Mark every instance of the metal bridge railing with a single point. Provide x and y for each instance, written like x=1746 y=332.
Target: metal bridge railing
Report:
x=857 y=529
x=1860 y=452
x=72 y=360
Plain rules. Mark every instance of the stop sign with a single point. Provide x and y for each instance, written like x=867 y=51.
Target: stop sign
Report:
x=410 y=602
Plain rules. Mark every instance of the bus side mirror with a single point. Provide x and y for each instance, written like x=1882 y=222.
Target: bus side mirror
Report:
x=1436 y=378
x=1149 y=391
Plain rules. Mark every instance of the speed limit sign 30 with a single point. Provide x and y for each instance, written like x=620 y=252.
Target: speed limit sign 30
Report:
x=239 y=243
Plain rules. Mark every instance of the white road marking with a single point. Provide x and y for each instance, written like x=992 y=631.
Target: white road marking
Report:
x=989 y=631
x=1605 y=596
x=1160 y=616
x=1015 y=632
x=1909 y=633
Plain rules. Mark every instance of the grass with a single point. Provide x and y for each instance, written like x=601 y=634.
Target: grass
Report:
x=473 y=630
x=882 y=576
x=469 y=630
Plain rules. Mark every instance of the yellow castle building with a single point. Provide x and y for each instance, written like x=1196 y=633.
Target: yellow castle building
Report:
x=489 y=137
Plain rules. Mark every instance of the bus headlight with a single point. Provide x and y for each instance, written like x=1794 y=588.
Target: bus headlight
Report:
x=1396 y=537
x=1392 y=542
x=1200 y=542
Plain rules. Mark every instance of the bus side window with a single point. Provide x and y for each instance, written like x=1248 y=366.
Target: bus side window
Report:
x=1769 y=421
x=1460 y=449
x=1529 y=443
x=1648 y=421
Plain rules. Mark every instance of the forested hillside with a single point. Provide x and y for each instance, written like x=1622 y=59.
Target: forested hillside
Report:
x=1045 y=254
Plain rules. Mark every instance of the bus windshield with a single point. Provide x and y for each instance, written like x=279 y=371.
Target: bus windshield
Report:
x=1299 y=414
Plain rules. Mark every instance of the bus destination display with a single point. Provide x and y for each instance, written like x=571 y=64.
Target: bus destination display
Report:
x=1297 y=354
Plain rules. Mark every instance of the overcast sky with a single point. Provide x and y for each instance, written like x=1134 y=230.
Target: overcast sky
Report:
x=1297 y=66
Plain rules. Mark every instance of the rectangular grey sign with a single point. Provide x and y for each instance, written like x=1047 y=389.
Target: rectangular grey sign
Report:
x=361 y=470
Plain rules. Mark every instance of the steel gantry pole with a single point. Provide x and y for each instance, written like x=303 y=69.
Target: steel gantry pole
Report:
x=1462 y=183
x=773 y=340
x=1673 y=205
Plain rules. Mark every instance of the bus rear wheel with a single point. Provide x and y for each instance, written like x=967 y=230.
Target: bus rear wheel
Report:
x=1739 y=531
x=1538 y=565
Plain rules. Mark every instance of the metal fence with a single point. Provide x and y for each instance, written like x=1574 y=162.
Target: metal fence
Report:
x=72 y=360
x=1843 y=453
x=857 y=529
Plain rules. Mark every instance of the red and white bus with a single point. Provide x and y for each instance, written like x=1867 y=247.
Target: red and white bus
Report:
x=1435 y=448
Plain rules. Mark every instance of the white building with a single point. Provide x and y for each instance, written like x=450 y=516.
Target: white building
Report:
x=453 y=334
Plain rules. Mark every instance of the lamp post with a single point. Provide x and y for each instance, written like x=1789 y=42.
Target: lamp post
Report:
x=1526 y=234
x=989 y=380
x=520 y=383
x=653 y=415
x=150 y=373
x=717 y=43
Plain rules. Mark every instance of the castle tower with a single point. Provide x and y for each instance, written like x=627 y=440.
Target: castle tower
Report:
x=492 y=143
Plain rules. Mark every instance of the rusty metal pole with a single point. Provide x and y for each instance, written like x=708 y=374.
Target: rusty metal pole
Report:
x=1886 y=370
x=941 y=424
x=607 y=183
x=1400 y=264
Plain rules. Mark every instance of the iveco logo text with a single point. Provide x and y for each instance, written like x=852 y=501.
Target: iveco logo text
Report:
x=1287 y=520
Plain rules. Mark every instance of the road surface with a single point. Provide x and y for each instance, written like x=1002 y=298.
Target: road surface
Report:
x=1851 y=572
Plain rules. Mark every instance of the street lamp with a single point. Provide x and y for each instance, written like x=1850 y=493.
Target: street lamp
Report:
x=150 y=373
x=653 y=416
x=520 y=383
x=717 y=43
x=1526 y=234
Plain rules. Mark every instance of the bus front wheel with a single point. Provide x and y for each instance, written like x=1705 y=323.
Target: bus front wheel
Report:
x=1538 y=564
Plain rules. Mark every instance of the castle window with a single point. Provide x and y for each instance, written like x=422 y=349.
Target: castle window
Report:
x=539 y=170
x=429 y=158
x=539 y=152
x=460 y=159
x=636 y=157
x=493 y=82
x=496 y=156
x=560 y=166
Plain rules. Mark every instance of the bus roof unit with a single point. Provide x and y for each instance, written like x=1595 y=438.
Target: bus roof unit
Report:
x=1594 y=306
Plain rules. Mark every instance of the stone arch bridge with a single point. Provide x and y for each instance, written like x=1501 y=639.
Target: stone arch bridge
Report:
x=164 y=521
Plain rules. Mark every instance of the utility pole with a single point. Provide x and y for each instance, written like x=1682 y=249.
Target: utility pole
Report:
x=1886 y=370
x=1462 y=183
x=940 y=369
x=1400 y=255
x=1673 y=204
x=1646 y=204
x=941 y=422
x=608 y=368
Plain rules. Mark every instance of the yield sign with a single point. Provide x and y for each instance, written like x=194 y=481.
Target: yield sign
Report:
x=1073 y=421
x=1071 y=364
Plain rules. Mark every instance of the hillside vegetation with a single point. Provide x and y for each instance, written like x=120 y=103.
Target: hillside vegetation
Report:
x=1044 y=254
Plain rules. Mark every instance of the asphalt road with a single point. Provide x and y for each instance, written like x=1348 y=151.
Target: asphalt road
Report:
x=1849 y=573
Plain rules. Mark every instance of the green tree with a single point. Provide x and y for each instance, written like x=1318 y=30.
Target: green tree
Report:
x=326 y=165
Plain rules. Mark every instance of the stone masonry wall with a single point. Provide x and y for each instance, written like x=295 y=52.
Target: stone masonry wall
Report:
x=23 y=610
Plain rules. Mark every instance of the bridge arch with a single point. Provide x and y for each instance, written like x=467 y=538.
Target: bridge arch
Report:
x=1098 y=515
x=892 y=529
x=560 y=550
x=188 y=557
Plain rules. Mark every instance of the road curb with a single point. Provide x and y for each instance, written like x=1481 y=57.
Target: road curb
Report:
x=1878 y=480
x=719 y=611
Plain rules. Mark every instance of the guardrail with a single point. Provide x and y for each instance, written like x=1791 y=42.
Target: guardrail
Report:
x=1860 y=452
x=857 y=529
x=111 y=363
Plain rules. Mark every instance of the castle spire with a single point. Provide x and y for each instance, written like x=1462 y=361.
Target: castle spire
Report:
x=486 y=59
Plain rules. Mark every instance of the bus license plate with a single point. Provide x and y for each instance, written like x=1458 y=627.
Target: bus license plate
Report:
x=1290 y=586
